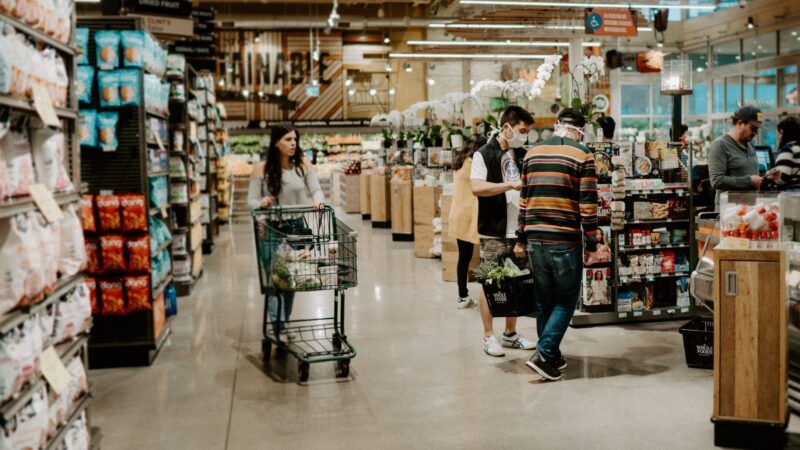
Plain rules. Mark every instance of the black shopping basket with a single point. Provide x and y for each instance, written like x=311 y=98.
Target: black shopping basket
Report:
x=510 y=297
x=698 y=342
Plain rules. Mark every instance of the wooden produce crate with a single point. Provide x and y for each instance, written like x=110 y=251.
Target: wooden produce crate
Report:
x=426 y=208
x=365 y=202
x=380 y=201
x=350 y=193
x=402 y=193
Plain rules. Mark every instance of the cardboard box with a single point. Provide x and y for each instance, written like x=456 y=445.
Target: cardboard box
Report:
x=426 y=204
x=349 y=192
x=423 y=241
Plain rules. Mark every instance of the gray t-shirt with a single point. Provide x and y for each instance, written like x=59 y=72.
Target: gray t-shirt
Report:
x=296 y=190
x=731 y=165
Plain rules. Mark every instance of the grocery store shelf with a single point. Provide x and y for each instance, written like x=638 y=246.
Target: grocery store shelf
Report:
x=19 y=205
x=58 y=439
x=39 y=36
x=666 y=190
x=599 y=318
x=656 y=221
x=637 y=248
x=14 y=318
x=163 y=285
x=163 y=246
x=157 y=115
x=20 y=104
x=650 y=277
x=158 y=174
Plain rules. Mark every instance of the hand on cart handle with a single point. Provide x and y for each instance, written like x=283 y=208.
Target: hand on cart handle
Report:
x=319 y=205
x=519 y=250
x=266 y=202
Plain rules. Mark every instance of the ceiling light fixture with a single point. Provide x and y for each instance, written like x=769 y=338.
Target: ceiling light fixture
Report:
x=431 y=81
x=750 y=23
x=348 y=82
x=407 y=67
x=221 y=82
x=539 y=4
x=386 y=39
x=373 y=92
x=498 y=43
x=388 y=67
x=245 y=93
x=392 y=91
x=257 y=39
x=278 y=92
x=464 y=56
x=351 y=92
x=513 y=26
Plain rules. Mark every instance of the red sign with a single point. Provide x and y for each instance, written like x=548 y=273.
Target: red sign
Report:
x=610 y=22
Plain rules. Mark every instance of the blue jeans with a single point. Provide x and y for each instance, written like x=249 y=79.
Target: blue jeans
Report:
x=557 y=283
x=287 y=302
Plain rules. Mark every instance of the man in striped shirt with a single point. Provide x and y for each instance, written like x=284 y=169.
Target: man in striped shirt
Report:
x=558 y=208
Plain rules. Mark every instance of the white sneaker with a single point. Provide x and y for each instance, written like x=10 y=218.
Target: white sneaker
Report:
x=492 y=347
x=465 y=302
x=517 y=341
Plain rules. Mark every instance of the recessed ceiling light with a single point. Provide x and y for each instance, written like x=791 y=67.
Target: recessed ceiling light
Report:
x=245 y=93
x=373 y=92
x=535 y=3
x=351 y=92
x=392 y=91
x=498 y=56
x=348 y=82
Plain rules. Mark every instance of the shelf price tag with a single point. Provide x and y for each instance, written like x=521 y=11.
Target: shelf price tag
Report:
x=637 y=314
x=54 y=371
x=44 y=107
x=656 y=312
x=623 y=315
x=684 y=310
x=45 y=202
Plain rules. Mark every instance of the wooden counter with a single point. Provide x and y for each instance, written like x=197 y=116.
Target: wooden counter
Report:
x=426 y=208
x=365 y=202
x=402 y=193
x=380 y=201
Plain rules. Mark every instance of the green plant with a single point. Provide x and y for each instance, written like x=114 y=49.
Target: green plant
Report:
x=453 y=130
x=435 y=134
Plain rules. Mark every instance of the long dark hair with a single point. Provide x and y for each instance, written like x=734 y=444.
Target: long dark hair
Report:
x=790 y=130
x=470 y=146
x=273 y=166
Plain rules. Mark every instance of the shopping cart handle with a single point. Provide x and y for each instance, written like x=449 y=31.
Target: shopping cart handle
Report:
x=353 y=234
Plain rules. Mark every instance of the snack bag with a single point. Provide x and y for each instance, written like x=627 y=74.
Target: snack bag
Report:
x=83 y=308
x=130 y=89
x=134 y=212
x=108 y=212
x=49 y=236
x=92 y=256
x=16 y=149
x=85 y=78
x=132 y=48
x=107 y=43
x=29 y=256
x=78 y=386
x=111 y=253
x=111 y=296
x=48 y=157
x=91 y=285
x=138 y=254
x=73 y=246
x=87 y=128
x=87 y=213
x=12 y=273
x=137 y=293
x=66 y=326
x=107 y=130
x=108 y=88
x=82 y=42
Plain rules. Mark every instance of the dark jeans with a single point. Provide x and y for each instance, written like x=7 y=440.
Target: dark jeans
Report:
x=557 y=283
x=465 y=250
x=286 y=299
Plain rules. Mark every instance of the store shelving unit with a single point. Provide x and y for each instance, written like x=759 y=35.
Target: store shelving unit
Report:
x=181 y=123
x=206 y=128
x=136 y=338
x=790 y=205
x=9 y=208
x=657 y=285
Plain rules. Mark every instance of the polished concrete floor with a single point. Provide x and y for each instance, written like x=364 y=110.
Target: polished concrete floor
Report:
x=420 y=379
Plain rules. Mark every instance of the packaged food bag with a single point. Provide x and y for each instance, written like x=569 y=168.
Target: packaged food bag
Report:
x=108 y=88
x=48 y=157
x=73 y=246
x=85 y=79
x=112 y=298
x=138 y=250
x=82 y=42
x=130 y=88
x=87 y=127
x=107 y=130
x=108 y=212
x=132 y=48
x=87 y=213
x=16 y=151
x=107 y=45
x=137 y=293
x=112 y=253
x=134 y=212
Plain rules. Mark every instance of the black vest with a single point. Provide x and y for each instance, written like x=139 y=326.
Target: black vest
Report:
x=492 y=210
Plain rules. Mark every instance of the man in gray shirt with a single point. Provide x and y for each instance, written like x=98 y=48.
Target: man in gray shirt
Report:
x=732 y=161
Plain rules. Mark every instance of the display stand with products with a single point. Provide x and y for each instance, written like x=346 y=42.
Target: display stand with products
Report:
x=402 y=193
x=426 y=208
x=184 y=180
x=364 y=194
x=46 y=304
x=204 y=85
x=790 y=205
x=641 y=268
x=127 y=217
x=380 y=201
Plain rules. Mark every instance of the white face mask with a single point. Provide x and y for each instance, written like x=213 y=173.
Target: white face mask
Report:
x=561 y=130
x=517 y=139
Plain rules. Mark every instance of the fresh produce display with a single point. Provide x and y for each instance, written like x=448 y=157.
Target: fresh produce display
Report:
x=757 y=223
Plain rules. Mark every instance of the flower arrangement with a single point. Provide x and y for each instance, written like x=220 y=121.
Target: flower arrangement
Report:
x=543 y=75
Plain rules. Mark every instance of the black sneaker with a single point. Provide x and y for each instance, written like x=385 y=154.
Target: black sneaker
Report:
x=560 y=363
x=544 y=368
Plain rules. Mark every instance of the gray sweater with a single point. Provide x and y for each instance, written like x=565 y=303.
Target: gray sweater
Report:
x=730 y=165
x=296 y=190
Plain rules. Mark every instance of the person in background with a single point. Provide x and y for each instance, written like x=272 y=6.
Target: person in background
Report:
x=609 y=127
x=495 y=181
x=786 y=173
x=464 y=215
x=558 y=210
x=285 y=179
x=732 y=160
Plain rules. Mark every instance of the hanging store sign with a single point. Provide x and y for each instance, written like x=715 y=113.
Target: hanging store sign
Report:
x=191 y=48
x=204 y=14
x=171 y=26
x=160 y=7
x=610 y=22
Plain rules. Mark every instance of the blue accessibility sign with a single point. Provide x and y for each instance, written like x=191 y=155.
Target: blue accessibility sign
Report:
x=594 y=21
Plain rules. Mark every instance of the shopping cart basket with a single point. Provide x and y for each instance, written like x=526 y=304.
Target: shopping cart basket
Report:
x=302 y=249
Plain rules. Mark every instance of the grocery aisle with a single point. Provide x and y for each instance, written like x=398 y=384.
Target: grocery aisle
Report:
x=420 y=366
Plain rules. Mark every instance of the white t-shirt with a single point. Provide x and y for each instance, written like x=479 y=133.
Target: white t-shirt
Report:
x=510 y=174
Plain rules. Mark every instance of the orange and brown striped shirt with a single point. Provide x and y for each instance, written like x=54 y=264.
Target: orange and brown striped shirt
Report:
x=559 y=193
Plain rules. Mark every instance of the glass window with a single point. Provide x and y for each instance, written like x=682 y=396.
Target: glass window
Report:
x=759 y=46
x=768 y=135
x=790 y=40
x=733 y=91
x=748 y=90
x=767 y=89
x=789 y=86
x=699 y=59
x=661 y=126
x=693 y=13
x=717 y=128
x=639 y=123
x=697 y=101
x=718 y=98
x=726 y=53
x=635 y=99
x=662 y=104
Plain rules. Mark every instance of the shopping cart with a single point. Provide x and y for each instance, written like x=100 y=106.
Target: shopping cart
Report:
x=303 y=249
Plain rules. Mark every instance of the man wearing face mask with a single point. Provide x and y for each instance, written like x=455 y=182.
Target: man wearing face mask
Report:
x=496 y=182
x=732 y=160
x=558 y=210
